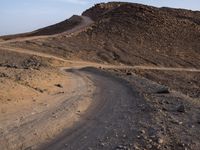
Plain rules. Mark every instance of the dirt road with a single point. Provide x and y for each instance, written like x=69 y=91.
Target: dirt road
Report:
x=93 y=64
x=96 y=111
x=38 y=122
x=104 y=118
x=95 y=99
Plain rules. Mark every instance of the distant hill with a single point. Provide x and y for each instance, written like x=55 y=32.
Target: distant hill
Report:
x=132 y=34
x=50 y=30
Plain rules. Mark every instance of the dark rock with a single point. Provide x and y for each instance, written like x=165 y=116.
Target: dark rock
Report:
x=128 y=73
x=32 y=62
x=163 y=90
x=181 y=108
x=3 y=75
x=11 y=66
x=39 y=90
x=59 y=85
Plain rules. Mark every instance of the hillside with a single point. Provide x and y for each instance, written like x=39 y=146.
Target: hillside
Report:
x=131 y=34
x=50 y=30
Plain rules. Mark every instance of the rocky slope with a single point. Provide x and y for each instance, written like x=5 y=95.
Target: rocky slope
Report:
x=132 y=34
x=50 y=30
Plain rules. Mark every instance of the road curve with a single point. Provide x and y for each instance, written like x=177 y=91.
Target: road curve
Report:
x=37 y=123
x=112 y=114
x=98 y=108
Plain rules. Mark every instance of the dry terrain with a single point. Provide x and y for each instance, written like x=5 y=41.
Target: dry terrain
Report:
x=122 y=76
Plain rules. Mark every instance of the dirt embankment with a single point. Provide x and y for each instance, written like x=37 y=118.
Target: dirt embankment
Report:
x=25 y=77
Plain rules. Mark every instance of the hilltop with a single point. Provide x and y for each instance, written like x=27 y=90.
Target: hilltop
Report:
x=132 y=34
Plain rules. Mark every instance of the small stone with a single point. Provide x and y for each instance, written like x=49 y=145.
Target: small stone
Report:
x=150 y=140
x=124 y=136
x=180 y=123
x=138 y=137
x=122 y=147
x=181 y=108
x=142 y=132
x=59 y=85
x=149 y=146
x=102 y=144
x=128 y=73
x=163 y=90
x=160 y=141
x=136 y=147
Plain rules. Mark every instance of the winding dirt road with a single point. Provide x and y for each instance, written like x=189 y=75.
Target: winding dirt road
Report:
x=97 y=110
x=89 y=112
x=104 y=118
x=38 y=123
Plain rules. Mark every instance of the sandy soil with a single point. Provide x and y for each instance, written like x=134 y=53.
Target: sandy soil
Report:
x=30 y=121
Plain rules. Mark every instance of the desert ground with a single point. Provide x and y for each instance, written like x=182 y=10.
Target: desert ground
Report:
x=83 y=84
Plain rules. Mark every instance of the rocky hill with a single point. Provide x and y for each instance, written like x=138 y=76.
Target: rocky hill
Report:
x=131 y=34
x=50 y=30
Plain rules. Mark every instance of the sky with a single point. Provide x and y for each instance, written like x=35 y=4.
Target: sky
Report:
x=18 y=16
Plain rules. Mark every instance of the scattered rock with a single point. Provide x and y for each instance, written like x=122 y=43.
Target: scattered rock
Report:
x=122 y=147
x=176 y=122
x=3 y=75
x=10 y=66
x=32 y=62
x=102 y=144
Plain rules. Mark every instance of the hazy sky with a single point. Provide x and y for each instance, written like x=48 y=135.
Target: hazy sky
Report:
x=26 y=15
